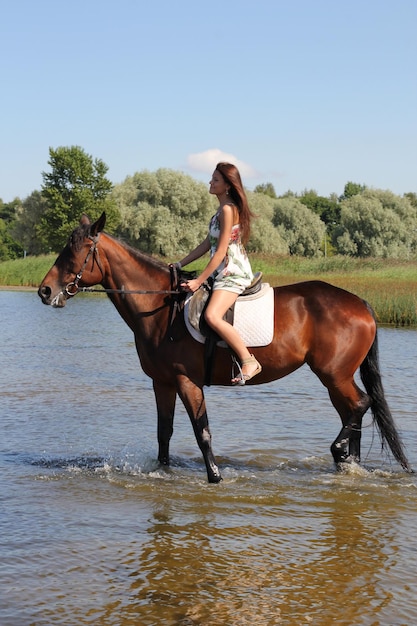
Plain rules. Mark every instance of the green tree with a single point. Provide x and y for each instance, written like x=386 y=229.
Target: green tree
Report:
x=327 y=209
x=76 y=184
x=412 y=197
x=9 y=247
x=267 y=189
x=352 y=189
x=303 y=231
x=264 y=236
x=8 y=209
x=163 y=212
x=377 y=223
x=26 y=228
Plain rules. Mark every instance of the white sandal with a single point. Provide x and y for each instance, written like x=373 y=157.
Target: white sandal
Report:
x=242 y=379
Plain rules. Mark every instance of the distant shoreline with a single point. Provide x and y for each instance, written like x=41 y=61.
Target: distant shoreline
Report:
x=17 y=288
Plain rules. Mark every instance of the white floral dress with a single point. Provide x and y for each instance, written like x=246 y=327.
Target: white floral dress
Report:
x=234 y=273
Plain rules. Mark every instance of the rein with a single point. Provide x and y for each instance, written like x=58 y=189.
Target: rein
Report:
x=127 y=291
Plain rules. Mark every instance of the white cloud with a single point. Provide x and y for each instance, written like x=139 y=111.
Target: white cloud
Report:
x=207 y=161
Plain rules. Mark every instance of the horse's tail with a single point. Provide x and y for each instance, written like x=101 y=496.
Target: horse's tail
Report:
x=371 y=378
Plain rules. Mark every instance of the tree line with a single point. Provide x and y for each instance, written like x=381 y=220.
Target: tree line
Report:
x=166 y=212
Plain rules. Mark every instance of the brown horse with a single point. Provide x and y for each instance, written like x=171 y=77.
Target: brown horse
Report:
x=330 y=329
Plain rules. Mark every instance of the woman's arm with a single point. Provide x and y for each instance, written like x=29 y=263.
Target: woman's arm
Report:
x=226 y=223
x=201 y=249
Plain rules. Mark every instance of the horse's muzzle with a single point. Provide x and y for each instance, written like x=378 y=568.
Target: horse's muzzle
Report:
x=58 y=300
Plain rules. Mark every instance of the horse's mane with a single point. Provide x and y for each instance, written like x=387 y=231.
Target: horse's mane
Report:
x=84 y=230
x=139 y=254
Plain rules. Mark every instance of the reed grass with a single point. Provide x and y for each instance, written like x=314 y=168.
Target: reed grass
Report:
x=26 y=272
x=388 y=285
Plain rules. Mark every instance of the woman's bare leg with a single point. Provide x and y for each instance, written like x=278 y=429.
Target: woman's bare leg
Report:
x=220 y=301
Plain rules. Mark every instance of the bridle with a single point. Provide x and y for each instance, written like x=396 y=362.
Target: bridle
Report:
x=73 y=287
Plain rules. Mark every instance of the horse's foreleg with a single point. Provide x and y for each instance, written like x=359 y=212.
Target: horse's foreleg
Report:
x=165 y=397
x=193 y=398
x=351 y=403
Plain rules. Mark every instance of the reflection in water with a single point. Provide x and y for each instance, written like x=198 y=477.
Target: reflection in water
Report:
x=347 y=560
x=321 y=563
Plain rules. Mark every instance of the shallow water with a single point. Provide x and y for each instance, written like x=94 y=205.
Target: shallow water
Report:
x=94 y=532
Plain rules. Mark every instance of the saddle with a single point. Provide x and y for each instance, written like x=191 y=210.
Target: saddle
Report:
x=252 y=315
x=199 y=301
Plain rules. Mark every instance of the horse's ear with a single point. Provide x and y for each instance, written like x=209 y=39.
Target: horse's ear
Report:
x=99 y=225
x=84 y=219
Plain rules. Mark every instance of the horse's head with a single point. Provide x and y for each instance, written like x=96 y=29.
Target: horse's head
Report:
x=78 y=264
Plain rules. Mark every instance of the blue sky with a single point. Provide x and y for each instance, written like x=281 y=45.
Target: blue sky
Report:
x=306 y=94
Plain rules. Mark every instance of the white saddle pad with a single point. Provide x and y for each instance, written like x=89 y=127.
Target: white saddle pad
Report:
x=253 y=318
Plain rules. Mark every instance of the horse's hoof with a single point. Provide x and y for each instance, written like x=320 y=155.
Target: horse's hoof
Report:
x=348 y=460
x=215 y=479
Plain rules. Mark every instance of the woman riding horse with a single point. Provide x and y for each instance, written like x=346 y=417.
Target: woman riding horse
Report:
x=329 y=329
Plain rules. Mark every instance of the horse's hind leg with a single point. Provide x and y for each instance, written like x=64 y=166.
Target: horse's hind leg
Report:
x=351 y=403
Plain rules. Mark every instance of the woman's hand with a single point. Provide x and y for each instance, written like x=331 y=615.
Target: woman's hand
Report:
x=191 y=285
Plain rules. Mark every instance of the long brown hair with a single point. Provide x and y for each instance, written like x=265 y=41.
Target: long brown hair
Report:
x=237 y=194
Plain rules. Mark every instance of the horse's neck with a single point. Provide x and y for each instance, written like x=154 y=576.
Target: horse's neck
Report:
x=131 y=272
x=126 y=269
